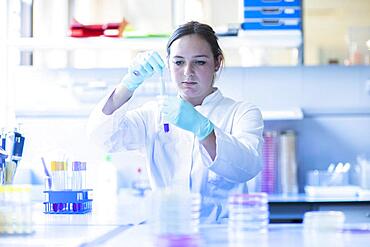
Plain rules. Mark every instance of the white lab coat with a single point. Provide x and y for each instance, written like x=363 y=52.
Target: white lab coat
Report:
x=177 y=157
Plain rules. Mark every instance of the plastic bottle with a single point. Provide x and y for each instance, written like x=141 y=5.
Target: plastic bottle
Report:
x=106 y=179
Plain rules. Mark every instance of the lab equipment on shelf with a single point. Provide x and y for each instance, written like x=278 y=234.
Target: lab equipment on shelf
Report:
x=271 y=15
x=364 y=172
x=332 y=182
x=287 y=171
x=280 y=169
x=15 y=210
x=78 y=30
x=270 y=162
x=247 y=213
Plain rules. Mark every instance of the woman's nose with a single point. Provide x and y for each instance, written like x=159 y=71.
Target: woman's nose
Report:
x=188 y=70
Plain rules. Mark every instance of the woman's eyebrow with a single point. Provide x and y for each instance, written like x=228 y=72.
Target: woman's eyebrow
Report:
x=196 y=56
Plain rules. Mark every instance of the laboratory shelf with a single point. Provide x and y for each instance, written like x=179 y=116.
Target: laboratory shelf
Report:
x=270 y=38
x=99 y=43
x=283 y=114
x=286 y=39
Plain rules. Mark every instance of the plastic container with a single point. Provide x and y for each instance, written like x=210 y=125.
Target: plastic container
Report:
x=272 y=2
x=287 y=171
x=15 y=210
x=319 y=221
x=272 y=12
x=248 y=213
x=272 y=24
x=326 y=178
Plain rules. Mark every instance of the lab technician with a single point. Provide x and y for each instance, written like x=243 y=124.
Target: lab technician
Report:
x=214 y=143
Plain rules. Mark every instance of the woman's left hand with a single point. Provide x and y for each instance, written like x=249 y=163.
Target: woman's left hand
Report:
x=183 y=114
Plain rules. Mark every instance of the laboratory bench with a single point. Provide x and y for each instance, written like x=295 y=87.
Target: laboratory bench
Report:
x=121 y=222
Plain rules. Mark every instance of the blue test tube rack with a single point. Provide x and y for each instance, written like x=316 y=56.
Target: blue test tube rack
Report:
x=68 y=202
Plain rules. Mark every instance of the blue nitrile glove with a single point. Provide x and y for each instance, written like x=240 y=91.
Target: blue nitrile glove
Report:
x=183 y=114
x=144 y=66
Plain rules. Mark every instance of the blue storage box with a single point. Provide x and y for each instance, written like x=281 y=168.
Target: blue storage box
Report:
x=248 y=3
x=272 y=12
x=272 y=24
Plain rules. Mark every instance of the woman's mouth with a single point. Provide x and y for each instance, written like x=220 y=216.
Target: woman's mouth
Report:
x=189 y=82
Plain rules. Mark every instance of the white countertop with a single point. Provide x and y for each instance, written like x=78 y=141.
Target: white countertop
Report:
x=119 y=223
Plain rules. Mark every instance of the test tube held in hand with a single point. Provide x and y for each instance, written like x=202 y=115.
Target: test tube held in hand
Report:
x=166 y=126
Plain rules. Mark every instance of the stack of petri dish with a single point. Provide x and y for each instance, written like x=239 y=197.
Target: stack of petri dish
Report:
x=323 y=228
x=174 y=217
x=270 y=162
x=319 y=221
x=248 y=213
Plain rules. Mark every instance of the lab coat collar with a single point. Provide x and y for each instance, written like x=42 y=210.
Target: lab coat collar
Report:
x=211 y=99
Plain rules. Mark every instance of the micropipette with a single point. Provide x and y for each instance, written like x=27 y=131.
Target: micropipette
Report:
x=166 y=126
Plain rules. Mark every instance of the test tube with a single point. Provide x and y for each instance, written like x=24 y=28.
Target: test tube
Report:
x=83 y=175
x=166 y=126
x=59 y=175
x=78 y=175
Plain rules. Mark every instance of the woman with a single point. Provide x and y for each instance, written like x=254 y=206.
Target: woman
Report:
x=214 y=143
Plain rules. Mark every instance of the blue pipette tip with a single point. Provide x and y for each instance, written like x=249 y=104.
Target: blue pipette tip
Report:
x=166 y=127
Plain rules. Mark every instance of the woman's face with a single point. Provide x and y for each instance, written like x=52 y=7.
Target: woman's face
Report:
x=192 y=67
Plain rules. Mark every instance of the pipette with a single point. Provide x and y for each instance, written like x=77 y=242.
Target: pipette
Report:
x=166 y=126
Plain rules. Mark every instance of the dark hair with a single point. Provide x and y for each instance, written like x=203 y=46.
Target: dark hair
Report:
x=204 y=31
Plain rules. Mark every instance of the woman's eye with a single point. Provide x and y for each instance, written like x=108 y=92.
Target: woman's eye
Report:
x=178 y=63
x=200 y=62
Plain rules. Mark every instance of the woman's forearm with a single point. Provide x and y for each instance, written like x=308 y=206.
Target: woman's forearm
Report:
x=119 y=97
x=209 y=143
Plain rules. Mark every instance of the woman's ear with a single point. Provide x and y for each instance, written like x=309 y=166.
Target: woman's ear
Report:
x=218 y=62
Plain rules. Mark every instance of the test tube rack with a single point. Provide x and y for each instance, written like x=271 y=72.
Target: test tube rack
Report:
x=68 y=201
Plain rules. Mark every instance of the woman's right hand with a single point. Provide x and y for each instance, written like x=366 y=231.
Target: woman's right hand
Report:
x=144 y=66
